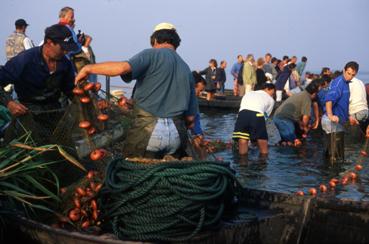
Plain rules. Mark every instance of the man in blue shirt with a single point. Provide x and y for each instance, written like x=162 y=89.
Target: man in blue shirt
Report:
x=40 y=75
x=336 y=111
x=234 y=71
x=164 y=95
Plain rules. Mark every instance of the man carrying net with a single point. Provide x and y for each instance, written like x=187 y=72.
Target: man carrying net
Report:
x=164 y=95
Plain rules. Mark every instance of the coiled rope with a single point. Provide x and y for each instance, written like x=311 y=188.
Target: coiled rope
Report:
x=171 y=201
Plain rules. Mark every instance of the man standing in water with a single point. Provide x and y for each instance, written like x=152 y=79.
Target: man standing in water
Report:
x=164 y=96
x=250 y=124
x=337 y=111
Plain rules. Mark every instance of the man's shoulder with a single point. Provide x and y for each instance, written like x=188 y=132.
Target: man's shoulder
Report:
x=28 y=54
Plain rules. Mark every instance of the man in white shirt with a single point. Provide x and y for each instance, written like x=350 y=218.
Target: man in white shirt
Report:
x=18 y=41
x=358 y=106
x=256 y=106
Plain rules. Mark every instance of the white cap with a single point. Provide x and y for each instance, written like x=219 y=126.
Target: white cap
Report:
x=164 y=26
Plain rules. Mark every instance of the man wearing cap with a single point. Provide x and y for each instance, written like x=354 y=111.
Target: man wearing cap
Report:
x=40 y=74
x=164 y=95
x=18 y=41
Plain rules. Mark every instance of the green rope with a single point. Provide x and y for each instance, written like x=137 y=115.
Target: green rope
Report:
x=171 y=201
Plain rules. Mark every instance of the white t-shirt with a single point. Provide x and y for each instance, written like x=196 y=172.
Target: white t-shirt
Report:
x=27 y=43
x=258 y=101
x=357 y=96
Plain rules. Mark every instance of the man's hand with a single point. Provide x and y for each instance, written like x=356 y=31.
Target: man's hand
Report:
x=190 y=121
x=315 y=125
x=82 y=74
x=333 y=118
x=198 y=141
x=353 y=121
x=17 y=109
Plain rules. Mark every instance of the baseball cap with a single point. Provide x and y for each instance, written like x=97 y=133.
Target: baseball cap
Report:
x=164 y=26
x=20 y=22
x=62 y=35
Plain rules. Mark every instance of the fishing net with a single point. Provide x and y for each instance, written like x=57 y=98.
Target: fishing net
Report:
x=108 y=122
x=102 y=132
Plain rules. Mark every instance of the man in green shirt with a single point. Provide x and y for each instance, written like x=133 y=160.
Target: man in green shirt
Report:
x=164 y=95
x=294 y=114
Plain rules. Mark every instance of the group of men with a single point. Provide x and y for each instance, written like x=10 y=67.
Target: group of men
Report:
x=344 y=99
x=249 y=74
x=165 y=102
x=164 y=98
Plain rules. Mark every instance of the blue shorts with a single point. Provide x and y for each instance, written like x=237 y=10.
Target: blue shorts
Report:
x=250 y=125
x=286 y=129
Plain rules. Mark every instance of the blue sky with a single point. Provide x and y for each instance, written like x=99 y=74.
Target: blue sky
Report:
x=328 y=32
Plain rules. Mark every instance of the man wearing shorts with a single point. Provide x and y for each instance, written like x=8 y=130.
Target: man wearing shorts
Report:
x=250 y=124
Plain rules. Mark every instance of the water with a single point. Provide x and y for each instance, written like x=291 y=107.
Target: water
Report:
x=288 y=169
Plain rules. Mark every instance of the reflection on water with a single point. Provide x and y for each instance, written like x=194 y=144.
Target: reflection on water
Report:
x=290 y=169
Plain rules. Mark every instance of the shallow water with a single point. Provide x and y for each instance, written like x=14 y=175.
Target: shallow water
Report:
x=291 y=169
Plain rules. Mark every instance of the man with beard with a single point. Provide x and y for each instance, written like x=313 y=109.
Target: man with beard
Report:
x=40 y=76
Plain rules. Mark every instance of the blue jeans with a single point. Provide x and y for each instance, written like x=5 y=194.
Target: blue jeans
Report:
x=165 y=138
x=286 y=129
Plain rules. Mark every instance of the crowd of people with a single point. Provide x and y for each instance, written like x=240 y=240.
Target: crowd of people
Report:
x=165 y=103
x=331 y=100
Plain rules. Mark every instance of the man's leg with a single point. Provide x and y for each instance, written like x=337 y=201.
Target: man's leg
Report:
x=241 y=90
x=243 y=146
x=263 y=146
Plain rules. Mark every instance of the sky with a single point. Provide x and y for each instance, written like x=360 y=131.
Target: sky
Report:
x=328 y=32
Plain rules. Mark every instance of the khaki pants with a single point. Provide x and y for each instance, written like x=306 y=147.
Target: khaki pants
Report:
x=249 y=88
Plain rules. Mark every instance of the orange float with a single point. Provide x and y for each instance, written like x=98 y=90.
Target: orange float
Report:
x=323 y=188
x=98 y=187
x=78 y=91
x=103 y=117
x=85 y=224
x=89 y=86
x=358 y=167
x=122 y=101
x=77 y=203
x=300 y=193
x=85 y=99
x=74 y=214
x=335 y=180
x=312 y=191
x=97 y=154
x=352 y=175
x=344 y=180
x=93 y=204
x=102 y=104
x=90 y=175
x=332 y=184
x=91 y=131
x=363 y=153
x=84 y=124
x=97 y=86
x=80 y=191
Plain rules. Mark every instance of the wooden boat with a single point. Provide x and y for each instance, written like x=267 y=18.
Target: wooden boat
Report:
x=227 y=102
x=263 y=217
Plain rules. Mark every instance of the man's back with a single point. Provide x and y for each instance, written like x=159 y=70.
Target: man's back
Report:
x=14 y=44
x=295 y=107
x=164 y=82
x=357 y=96
x=258 y=101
